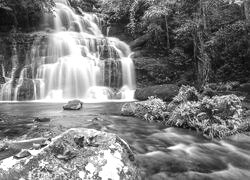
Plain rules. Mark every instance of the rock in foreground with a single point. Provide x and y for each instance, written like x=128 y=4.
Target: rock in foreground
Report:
x=75 y=154
x=73 y=105
x=166 y=92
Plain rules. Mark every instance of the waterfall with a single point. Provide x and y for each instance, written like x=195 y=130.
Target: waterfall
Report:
x=75 y=60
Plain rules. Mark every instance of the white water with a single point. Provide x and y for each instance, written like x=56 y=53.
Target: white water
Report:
x=75 y=61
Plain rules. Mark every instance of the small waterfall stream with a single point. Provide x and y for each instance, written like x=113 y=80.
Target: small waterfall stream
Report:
x=75 y=60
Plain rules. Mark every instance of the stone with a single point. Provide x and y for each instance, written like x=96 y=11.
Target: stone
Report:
x=26 y=90
x=73 y=105
x=22 y=154
x=41 y=119
x=247 y=113
x=166 y=92
x=36 y=146
x=140 y=41
x=64 y=158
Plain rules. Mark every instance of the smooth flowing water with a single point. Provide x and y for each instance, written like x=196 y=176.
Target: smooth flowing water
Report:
x=162 y=153
x=73 y=60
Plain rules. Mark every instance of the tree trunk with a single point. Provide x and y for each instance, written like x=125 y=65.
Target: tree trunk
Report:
x=246 y=11
x=196 y=61
x=140 y=41
x=203 y=14
x=167 y=33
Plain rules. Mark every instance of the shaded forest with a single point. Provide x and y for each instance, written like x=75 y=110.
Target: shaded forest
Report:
x=200 y=40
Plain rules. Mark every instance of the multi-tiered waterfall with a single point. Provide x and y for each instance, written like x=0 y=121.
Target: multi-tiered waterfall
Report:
x=74 y=60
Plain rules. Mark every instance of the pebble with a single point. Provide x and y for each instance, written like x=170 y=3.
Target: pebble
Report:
x=79 y=141
x=22 y=154
x=67 y=156
x=36 y=146
x=41 y=119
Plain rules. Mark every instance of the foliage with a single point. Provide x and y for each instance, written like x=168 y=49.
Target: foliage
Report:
x=26 y=13
x=217 y=117
x=230 y=53
x=227 y=86
x=208 y=37
x=179 y=59
x=85 y=5
x=186 y=93
x=151 y=110
x=117 y=10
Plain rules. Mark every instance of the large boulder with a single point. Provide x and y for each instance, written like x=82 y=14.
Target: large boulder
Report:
x=165 y=92
x=75 y=154
x=73 y=105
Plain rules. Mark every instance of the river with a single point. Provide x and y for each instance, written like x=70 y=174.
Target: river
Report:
x=162 y=153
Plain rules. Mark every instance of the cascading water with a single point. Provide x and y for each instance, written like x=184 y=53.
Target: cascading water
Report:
x=75 y=60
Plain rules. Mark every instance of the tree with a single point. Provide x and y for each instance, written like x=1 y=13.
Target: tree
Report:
x=154 y=14
x=27 y=12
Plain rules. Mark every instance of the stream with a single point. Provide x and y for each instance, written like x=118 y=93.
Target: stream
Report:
x=161 y=152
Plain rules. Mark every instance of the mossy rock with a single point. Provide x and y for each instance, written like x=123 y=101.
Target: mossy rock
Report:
x=165 y=92
x=100 y=156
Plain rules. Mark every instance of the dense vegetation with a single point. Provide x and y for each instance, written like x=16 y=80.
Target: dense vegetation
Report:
x=23 y=15
x=200 y=40
x=214 y=117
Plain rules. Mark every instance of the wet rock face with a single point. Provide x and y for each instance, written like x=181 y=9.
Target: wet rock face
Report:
x=26 y=91
x=73 y=105
x=75 y=154
x=166 y=92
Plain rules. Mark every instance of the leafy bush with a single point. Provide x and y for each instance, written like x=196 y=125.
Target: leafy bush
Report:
x=150 y=110
x=184 y=115
x=186 y=93
x=218 y=116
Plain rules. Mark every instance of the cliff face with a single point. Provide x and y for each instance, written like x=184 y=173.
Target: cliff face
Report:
x=14 y=51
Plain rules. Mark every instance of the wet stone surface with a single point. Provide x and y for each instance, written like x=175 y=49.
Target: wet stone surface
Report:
x=73 y=105
x=98 y=155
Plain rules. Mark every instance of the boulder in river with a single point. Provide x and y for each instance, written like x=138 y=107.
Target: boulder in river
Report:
x=22 y=154
x=73 y=105
x=165 y=92
x=75 y=154
x=41 y=120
